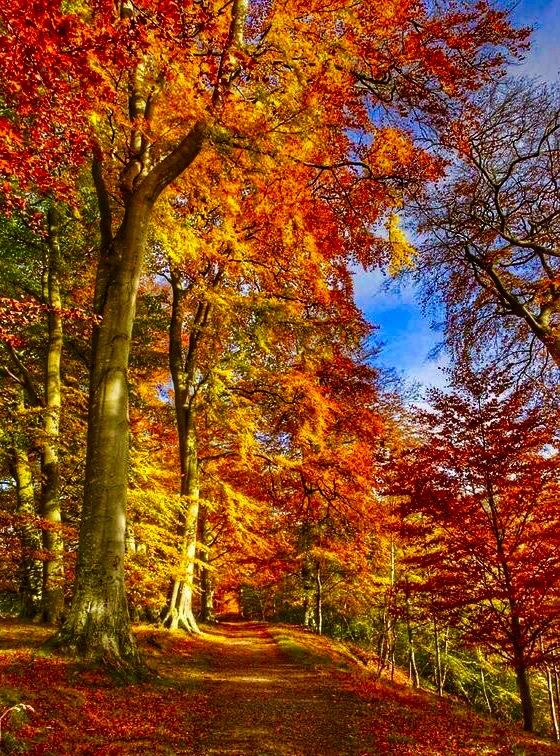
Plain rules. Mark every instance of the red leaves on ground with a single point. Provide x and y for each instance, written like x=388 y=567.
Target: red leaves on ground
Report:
x=83 y=710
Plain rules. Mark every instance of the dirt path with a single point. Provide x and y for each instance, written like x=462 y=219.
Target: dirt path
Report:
x=262 y=703
x=241 y=688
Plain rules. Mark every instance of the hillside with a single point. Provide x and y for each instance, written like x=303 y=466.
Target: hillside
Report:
x=239 y=688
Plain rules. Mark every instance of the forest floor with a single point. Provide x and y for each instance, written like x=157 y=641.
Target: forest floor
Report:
x=244 y=689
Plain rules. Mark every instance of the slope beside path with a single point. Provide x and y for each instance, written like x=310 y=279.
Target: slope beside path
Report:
x=245 y=689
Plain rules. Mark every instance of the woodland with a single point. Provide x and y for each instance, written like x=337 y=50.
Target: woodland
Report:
x=194 y=422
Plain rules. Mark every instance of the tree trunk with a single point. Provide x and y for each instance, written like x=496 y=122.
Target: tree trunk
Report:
x=180 y=609
x=520 y=667
x=305 y=541
x=445 y=664
x=438 y=666
x=552 y=703
x=206 y=583
x=53 y=566
x=383 y=640
x=308 y=596
x=412 y=666
x=183 y=368
x=318 y=600
x=525 y=696
x=392 y=614
x=556 y=684
x=517 y=641
x=31 y=567
x=483 y=682
x=98 y=623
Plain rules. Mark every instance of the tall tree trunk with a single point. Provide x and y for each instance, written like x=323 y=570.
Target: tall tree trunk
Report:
x=392 y=613
x=552 y=703
x=308 y=594
x=412 y=666
x=438 y=666
x=521 y=672
x=180 y=609
x=98 y=623
x=318 y=600
x=519 y=662
x=183 y=373
x=525 y=696
x=383 y=640
x=30 y=536
x=517 y=641
x=305 y=541
x=206 y=582
x=483 y=681
x=53 y=566
x=556 y=684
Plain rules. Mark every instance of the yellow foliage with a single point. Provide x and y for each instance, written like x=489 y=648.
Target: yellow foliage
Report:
x=402 y=251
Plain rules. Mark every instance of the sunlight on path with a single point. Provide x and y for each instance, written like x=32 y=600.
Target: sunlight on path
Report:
x=262 y=704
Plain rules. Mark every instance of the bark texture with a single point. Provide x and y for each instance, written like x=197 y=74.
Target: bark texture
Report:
x=183 y=364
x=98 y=623
x=31 y=567
x=206 y=581
x=53 y=566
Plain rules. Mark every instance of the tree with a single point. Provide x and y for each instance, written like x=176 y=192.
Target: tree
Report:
x=139 y=90
x=186 y=386
x=484 y=483
x=490 y=248
x=38 y=305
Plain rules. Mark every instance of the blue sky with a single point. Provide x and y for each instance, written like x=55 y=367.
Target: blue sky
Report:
x=403 y=328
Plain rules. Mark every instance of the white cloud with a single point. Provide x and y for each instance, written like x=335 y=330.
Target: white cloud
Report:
x=405 y=332
x=371 y=292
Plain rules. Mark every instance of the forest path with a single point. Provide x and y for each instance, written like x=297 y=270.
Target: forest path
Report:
x=269 y=697
x=245 y=689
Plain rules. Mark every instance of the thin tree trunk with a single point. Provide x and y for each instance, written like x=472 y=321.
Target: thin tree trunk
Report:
x=383 y=642
x=556 y=685
x=520 y=667
x=183 y=368
x=483 y=682
x=180 y=609
x=525 y=697
x=552 y=703
x=206 y=583
x=412 y=666
x=307 y=578
x=318 y=600
x=445 y=665
x=30 y=536
x=308 y=598
x=517 y=642
x=437 y=667
x=53 y=566
x=391 y=615
x=484 y=691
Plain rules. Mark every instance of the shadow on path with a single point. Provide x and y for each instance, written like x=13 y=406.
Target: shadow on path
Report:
x=262 y=703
